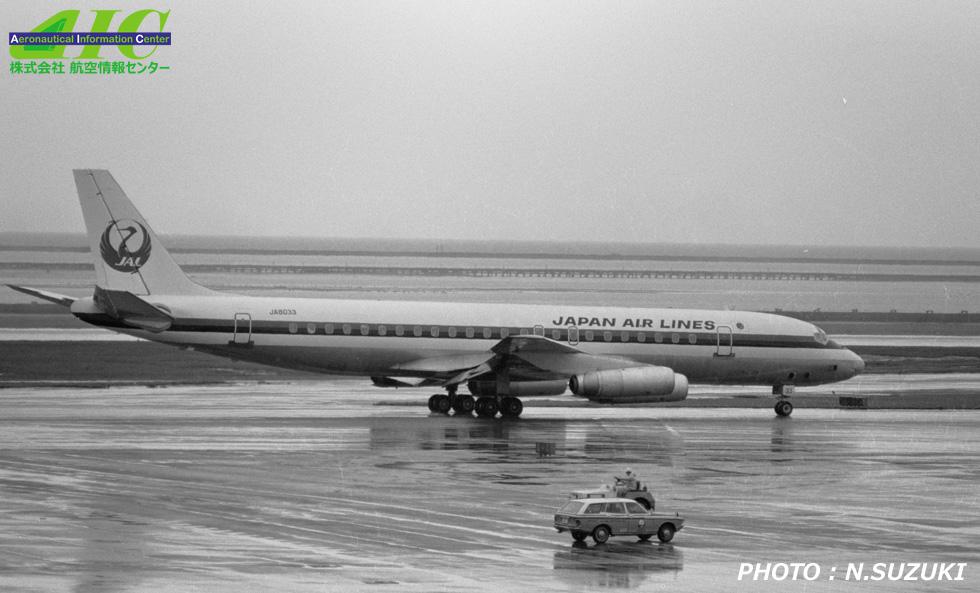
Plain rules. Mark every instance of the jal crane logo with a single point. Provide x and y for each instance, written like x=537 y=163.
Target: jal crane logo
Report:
x=125 y=245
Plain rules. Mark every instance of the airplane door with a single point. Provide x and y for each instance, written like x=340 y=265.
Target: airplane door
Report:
x=725 y=341
x=243 y=329
x=572 y=335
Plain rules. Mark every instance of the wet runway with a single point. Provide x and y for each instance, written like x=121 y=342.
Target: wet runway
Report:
x=310 y=487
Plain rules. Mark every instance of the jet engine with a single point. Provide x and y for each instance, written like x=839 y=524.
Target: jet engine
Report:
x=646 y=384
x=518 y=388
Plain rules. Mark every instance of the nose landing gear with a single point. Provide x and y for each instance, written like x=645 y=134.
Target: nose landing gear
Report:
x=783 y=406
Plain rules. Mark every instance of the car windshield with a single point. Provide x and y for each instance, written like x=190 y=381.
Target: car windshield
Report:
x=571 y=507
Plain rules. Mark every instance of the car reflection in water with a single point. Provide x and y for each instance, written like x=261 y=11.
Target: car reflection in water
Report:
x=620 y=565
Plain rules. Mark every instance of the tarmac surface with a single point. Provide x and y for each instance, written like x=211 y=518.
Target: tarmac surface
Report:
x=311 y=487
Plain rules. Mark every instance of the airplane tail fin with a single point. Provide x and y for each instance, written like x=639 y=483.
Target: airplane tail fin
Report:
x=128 y=255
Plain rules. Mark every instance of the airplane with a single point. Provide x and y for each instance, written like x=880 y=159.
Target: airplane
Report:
x=501 y=352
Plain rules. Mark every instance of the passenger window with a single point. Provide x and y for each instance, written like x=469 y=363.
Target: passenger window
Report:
x=613 y=507
x=675 y=338
x=593 y=509
x=328 y=328
x=487 y=332
x=589 y=335
x=692 y=338
x=469 y=332
x=607 y=336
x=504 y=332
x=346 y=329
x=635 y=508
x=417 y=331
x=625 y=336
x=556 y=334
x=382 y=330
x=658 y=338
x=641 y=337
x=293 y=328
x=434 y=331
x=452 y=332
x=365 y=329
x=399 y=330
x=311 y=328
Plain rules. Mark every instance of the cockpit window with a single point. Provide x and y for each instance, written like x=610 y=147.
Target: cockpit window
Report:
x=820 y=337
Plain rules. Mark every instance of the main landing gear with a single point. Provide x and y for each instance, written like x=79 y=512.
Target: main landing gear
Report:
x=783 y=406
x=465 y=405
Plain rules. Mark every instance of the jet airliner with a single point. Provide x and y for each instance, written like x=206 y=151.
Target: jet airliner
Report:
x=500 y=352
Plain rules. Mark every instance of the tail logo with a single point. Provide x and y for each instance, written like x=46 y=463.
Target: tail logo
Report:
x=125 y=245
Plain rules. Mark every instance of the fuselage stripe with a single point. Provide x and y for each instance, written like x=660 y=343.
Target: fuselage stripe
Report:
x=723 y=340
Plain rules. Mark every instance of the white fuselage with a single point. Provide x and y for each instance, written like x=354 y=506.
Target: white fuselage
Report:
x=385 y=338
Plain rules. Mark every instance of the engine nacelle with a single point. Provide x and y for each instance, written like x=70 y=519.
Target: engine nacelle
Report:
x=646 y=384
x=518 y=388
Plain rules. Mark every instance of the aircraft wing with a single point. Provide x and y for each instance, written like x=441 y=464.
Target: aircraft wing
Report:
x=523 y=357
x=54 y=297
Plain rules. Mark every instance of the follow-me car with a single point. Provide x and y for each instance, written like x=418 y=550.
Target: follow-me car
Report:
x=605 y=517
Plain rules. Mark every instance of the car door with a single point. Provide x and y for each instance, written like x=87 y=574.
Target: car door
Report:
x=616 y=517
x=639 y=519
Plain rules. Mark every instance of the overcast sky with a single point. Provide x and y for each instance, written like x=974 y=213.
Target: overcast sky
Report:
x=841 y=123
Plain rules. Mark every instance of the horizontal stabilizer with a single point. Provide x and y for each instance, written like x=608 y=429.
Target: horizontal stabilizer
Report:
x=132 y=310
x=60 y=299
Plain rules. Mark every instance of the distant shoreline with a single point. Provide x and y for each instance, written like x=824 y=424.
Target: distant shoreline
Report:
x=528 y=249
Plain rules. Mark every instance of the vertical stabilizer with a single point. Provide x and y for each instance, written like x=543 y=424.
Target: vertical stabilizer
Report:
x=128 y=255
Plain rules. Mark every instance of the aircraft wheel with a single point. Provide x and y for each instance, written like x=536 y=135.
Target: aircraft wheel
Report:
x=432 y=402
x=511 y=407
x=783 y=408
x=666 y=532
x=464 y=405
x=486 y=407
x=600 y=534
x=442 y=404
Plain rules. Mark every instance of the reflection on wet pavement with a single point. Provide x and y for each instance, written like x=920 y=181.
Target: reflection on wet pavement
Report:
x=310 y=488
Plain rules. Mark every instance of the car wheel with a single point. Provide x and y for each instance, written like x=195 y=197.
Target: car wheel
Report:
x=600 y=534
x=666 y=532
x=579 y=536
x=645 y=537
